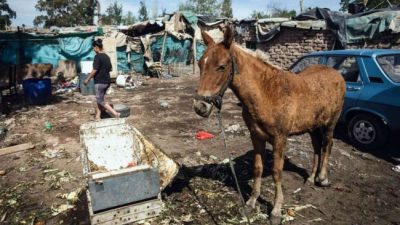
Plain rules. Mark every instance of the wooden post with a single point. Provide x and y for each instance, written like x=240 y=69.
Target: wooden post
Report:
x=194 y=54
x=162 y=48
x=301 y=6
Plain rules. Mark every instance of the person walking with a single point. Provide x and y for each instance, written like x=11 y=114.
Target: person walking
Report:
x=102 y=80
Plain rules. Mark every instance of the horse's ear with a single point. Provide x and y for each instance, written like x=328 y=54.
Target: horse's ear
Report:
x=228 y=36
x=207 y=39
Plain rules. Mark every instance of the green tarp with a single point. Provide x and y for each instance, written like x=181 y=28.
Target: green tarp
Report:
x=45 y=48
x=367 y=26
x=175 y=50
x=136 y=64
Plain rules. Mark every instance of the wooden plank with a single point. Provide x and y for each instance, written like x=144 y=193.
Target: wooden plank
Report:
x=16 y=148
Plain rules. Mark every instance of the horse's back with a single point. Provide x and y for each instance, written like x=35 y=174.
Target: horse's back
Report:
x=319 y=97
x=326 y=78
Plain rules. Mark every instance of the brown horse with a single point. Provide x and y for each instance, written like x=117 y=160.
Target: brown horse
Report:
x=276 y=104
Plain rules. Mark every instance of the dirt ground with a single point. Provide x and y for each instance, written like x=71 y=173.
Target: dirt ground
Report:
x=41 y=184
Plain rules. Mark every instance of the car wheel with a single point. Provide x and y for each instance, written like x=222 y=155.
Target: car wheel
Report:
x=367 y=132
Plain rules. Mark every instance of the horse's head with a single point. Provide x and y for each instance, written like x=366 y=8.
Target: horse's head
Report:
x=217 y=67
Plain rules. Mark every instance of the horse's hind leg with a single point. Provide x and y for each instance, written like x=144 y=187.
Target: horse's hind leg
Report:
x=316 y=140
x=327 y=135
x=259 y=153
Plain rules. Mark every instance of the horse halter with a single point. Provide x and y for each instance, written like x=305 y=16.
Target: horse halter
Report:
x=216 y=99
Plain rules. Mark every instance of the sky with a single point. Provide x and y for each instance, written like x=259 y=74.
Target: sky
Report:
x=26 y=11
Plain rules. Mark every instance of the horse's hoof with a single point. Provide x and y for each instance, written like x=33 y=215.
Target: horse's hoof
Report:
x=311 y=180
x=275 y=220
x=247 y=210
x=251 y=203
x=322 y=183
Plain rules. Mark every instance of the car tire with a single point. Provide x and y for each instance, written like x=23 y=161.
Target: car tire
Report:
x=367 y=132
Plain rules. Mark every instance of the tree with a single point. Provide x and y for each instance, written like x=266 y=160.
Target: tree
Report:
x=155 y=9
x=227 y=9
x=143 y=15
x=275 y=12
x=187 y=6
x=6 y=14
x=278 y=12
x=203 y=7
x=259 y=15
x=114 y=14
x=164 y=12
x=65 y=13
x=129 y=19
x=371 y=4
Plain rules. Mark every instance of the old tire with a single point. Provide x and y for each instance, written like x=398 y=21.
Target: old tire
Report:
x=124 y=110
x=367 y=132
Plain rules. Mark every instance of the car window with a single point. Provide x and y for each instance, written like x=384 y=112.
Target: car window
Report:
x=305 y=62
x=345 y=65
x=390 y=64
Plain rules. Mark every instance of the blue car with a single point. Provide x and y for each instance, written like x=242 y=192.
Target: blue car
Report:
x=371 y=109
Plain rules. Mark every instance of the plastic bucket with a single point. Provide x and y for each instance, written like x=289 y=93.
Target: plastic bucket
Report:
x=86 y=89
x=37 y=91
x=122 y=80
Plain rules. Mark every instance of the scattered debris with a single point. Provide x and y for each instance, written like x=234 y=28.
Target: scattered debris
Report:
x=60 y=209
x=396 y=168
x=52 y=153
x=164 y=104
x=213 y=157
x=297 y=190
x=2 y=172
x=48 y=126
x=291 y=212
x=16 y=148
x=202 y=135
x=3 y=217
x=225 y=161
x=50 y=170
x=233 y=128
x=12 y=202
x=342 y=152
x=315 y=220
x=187 y=218
x=3 y=132
x=71 y=197
x=22 y=169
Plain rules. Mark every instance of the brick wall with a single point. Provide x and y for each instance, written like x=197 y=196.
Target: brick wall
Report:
x=384 y=40
x=292 y=43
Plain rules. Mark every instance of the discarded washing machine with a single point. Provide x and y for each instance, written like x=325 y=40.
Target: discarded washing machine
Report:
x=125 y=172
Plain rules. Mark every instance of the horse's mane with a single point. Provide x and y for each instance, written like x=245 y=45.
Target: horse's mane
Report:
x=259 y=55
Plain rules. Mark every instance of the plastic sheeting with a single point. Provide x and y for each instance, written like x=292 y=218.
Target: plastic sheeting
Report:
x=358 y=27
x=175 y=50
x=136 y=60
x=200 y=49
x=35 y=49
x=368 y=25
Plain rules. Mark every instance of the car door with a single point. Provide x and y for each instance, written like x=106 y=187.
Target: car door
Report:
x=348 y=67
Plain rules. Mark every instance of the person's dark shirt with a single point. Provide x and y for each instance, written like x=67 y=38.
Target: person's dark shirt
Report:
x=102 y=64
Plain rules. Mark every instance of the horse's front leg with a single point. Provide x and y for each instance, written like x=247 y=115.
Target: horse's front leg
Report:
x=259 y=153
x=279 y=144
